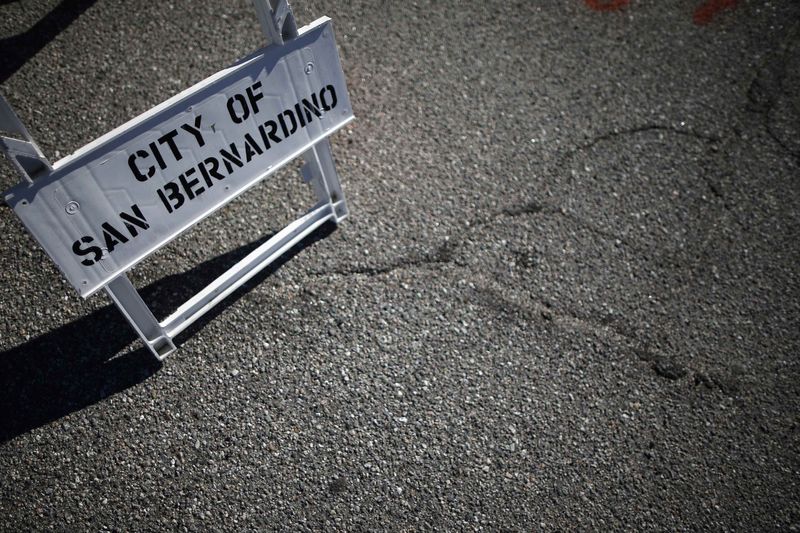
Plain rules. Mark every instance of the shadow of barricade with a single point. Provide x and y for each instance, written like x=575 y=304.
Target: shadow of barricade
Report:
x=15 y=51
x=77 y=364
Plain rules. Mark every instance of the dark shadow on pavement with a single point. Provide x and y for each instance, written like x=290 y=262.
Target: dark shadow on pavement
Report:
x=17 y=50
x=75 y=365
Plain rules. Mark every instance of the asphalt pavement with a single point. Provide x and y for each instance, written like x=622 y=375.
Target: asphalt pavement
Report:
x=567 y=296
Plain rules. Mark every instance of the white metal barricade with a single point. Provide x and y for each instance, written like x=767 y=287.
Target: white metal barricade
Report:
x=101 y=210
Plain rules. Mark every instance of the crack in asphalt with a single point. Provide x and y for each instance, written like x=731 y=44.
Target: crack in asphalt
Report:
x=662 y=364
x=441 y=255
x=444 y=253
x=767 y=86
x=712 y=187
x=636 y=130
x=531 y=208
x=534 y=208
x=646 y=128
x=437 y=257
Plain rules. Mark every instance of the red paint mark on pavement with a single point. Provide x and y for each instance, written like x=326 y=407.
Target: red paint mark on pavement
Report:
x=607 y=5
x=705 y=13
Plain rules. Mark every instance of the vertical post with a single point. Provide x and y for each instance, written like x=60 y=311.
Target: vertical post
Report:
x=320 y=171
x=277 y=20
x=23 y=153
x=279 y=26
x=130 y=303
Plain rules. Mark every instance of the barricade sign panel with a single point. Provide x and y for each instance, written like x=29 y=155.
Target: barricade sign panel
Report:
x=101 y=210
x=109 y=205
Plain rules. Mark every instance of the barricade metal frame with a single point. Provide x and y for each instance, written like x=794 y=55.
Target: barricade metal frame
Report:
x=278 y=25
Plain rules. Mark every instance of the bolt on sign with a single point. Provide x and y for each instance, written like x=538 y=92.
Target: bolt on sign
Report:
x=100 y=211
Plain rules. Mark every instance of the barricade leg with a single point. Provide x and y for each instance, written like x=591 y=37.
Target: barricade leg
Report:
x=130 y=303
x=320 y=171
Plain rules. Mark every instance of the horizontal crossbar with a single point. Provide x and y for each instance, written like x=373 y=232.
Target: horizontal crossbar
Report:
x=244 y=270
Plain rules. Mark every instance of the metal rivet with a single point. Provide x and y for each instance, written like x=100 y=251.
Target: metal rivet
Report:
x=309 y=67
x=72 y=207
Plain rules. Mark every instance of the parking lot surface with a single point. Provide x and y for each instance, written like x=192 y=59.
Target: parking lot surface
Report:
x=567 y=296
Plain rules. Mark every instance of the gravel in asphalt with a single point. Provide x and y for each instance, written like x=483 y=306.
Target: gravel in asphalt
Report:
x=567 y=296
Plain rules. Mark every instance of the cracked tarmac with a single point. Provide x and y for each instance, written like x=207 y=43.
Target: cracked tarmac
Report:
x=567 y=296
